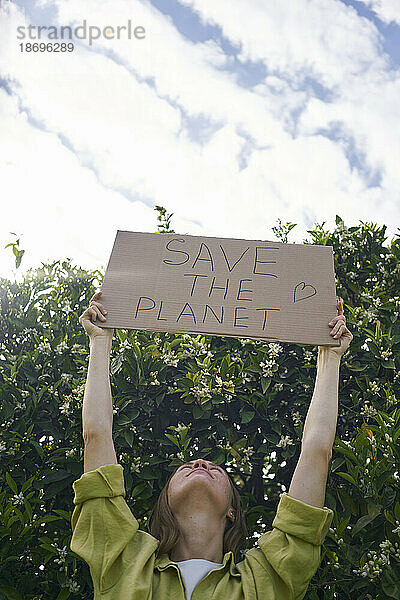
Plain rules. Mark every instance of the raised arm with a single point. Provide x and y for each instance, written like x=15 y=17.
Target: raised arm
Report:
x=309 y=479
x=97 y=409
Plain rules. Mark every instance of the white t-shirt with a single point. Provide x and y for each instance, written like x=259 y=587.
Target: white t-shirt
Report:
x=194 y=570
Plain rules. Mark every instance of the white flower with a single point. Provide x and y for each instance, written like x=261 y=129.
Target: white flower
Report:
x=66 y=377
x=275 y=349
x=135 y=466
x=308 y=355
x=348 y=444
x=397 y=530
x=246 y=376
x=248 y=452
x=285 y=441
x=18 y=499
x=373 y=386
x=170 y=359
x=386 y=354
x=44 y=347
x=125 y=345
x=267 y=370
x=62 y=555
x=244 y=341
x=153 y=378
x=65 y=407
x=297 y=418
x=61 y=347
x=368 y=411
x=180 y=427
x=77 y=349
x=73 y=586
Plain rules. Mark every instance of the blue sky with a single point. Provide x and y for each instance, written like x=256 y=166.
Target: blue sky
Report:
x=231 y=115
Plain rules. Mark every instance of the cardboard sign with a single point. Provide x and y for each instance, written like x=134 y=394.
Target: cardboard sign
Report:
x=256 y=289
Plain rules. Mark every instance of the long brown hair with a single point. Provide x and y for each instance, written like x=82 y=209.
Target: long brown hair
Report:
x=163 y=525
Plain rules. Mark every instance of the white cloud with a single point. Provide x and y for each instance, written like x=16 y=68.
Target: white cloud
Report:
x=342 y=51
x=58 y=206
x=120 y=109
x=387 y=10
x=321 y=38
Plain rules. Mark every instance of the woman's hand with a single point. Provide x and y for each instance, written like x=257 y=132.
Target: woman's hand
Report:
x=340 y=330
x=88 y=317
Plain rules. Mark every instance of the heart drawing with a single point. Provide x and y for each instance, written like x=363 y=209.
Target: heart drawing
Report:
x=301 y=290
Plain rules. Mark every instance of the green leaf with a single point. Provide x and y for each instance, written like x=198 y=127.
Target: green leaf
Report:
x=389 y=517
x=128 y=435
x=265 y=383
x=52 y=477
x=382 y=479
x=173 y=439
x=64 y=594
x=38 y=447
x=390 y=586
x=147 y=473
x=28 y=509
x=225 y=364
x=139 y=489
x=361 y=523
x=397 y=511
x=27 y=484
x=272 y=438
x=336 y=463
x=186 y=444
x=185 y=383
x=121 y=335
x=197 y=412
x=46 y=519
x=348 y=477
x=374 y=509
x=116 y=364
x=247 y=415
x=11 y=483
x=10 y=592
x=63 y=513
x=137 y=352
x=356 y=366
x=339 y=220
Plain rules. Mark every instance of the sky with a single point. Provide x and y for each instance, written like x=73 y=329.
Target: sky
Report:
x=231 y=115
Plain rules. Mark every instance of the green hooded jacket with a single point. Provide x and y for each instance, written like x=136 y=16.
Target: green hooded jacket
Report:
x=123 y=563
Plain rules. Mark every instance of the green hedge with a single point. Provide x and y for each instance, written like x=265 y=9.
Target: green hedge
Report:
x=182 y=396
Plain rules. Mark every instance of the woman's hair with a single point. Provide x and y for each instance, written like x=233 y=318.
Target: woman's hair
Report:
x=163 y=525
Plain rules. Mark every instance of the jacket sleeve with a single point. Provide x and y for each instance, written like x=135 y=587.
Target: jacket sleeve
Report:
x=102 y=523
x=293 y=547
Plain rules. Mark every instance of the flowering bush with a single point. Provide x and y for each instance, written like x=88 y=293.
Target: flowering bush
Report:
x=236 y=401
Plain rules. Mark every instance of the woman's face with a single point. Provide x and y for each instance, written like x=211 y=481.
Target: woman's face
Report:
x=200 y=487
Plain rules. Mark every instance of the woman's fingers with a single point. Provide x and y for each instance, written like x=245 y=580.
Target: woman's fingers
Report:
x=336 y=319
x=101 y=307
x=339 y=321
x=337 y=332
x=95 y=312
x=95 y=297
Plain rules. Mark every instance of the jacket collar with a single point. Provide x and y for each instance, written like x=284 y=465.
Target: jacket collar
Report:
x=163 y=562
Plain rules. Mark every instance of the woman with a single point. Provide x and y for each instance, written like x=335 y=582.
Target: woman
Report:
x=197 y=525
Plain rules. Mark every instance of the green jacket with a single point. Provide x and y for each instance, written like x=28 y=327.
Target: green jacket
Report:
x=123 y=565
